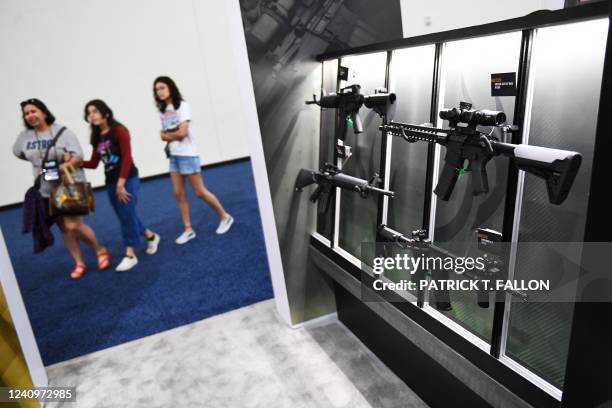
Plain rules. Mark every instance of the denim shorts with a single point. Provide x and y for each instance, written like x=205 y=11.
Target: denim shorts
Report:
x=185 y=164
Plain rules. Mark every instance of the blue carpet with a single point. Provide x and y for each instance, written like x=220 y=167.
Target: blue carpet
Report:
x=209 y=275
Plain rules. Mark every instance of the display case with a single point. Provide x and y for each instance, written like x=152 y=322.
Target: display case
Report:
x=556 y=60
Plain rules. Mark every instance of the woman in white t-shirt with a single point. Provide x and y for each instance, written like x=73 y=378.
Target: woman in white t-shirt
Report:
x=182 y=151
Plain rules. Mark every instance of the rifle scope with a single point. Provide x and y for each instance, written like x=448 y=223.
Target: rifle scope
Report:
x=380 y=99
x=473 y=117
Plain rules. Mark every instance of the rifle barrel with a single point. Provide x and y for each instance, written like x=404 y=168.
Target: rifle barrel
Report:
x=382 y=191
x=390 y=235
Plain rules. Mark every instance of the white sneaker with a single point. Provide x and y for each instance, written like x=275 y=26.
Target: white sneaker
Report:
x=152 y=244
x=225 y=225
x=185 y=237
x=127 y=263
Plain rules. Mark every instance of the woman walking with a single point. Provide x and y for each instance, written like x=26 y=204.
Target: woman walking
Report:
x=39 y=140
x=182 y=151
x=111 y=145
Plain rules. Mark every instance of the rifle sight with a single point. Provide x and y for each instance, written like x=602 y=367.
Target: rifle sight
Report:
x=472 y=117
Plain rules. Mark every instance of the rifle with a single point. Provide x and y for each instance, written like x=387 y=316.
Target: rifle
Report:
x=418 y=242
x=557 y=167
x=329 y=177
x=348 y=102
x=488 y=242
x=421 y=245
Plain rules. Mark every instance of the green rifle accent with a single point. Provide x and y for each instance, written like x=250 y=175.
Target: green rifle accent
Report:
x=461 y=171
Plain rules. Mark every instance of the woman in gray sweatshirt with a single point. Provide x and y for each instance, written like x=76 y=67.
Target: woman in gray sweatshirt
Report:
x=31 y=145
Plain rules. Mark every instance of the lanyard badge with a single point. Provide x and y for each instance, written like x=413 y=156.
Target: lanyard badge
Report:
x=50 y=170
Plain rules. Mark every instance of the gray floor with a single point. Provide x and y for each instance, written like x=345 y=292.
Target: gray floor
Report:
x=244 y=358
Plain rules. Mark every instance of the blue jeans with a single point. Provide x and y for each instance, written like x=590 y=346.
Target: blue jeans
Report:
x=132 y=228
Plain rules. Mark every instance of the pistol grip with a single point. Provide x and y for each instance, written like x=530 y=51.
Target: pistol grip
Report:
x=480 y=182
x=321 y=195
x=316 y=194
x=325 y=202
x=357 y=125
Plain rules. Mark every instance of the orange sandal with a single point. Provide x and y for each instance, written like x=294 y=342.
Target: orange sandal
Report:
x=78 y=271
x=103 y=259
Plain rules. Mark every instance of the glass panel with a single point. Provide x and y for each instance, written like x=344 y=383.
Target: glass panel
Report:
x=326 y=152
x=358 y=215
x=412 y=73
x=411 y=76
x=564 y=116
x=468 y=65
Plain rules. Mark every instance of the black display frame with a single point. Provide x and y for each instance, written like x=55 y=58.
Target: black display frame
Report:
x=536 y=19
x=587 y=376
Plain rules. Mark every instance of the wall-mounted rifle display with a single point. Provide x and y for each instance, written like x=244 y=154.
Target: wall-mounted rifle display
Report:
x=330 y=177
x=489 y=242
x=465 y=142
x=347 y=103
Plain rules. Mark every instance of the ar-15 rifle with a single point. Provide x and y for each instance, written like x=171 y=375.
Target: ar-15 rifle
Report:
x=421 y=245
x=348 y=102
x=418 y=242
x=328 y=178
x=557 y=167
x=492 y=260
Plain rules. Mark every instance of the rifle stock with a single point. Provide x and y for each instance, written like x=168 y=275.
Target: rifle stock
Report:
x=304 y=178
x=557 y=167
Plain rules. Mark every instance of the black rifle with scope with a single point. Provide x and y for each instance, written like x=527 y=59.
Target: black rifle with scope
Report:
x=492 y=259
x=418 y=241
x=330 y=177
x=420 y=244
x=463 y=141
x=348 y=102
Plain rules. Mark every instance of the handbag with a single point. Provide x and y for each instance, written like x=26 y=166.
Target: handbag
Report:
x=70 y=197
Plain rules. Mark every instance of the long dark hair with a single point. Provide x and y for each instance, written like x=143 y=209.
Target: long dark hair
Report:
x=107 y=113
x=175 y=94
x=49 y=118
